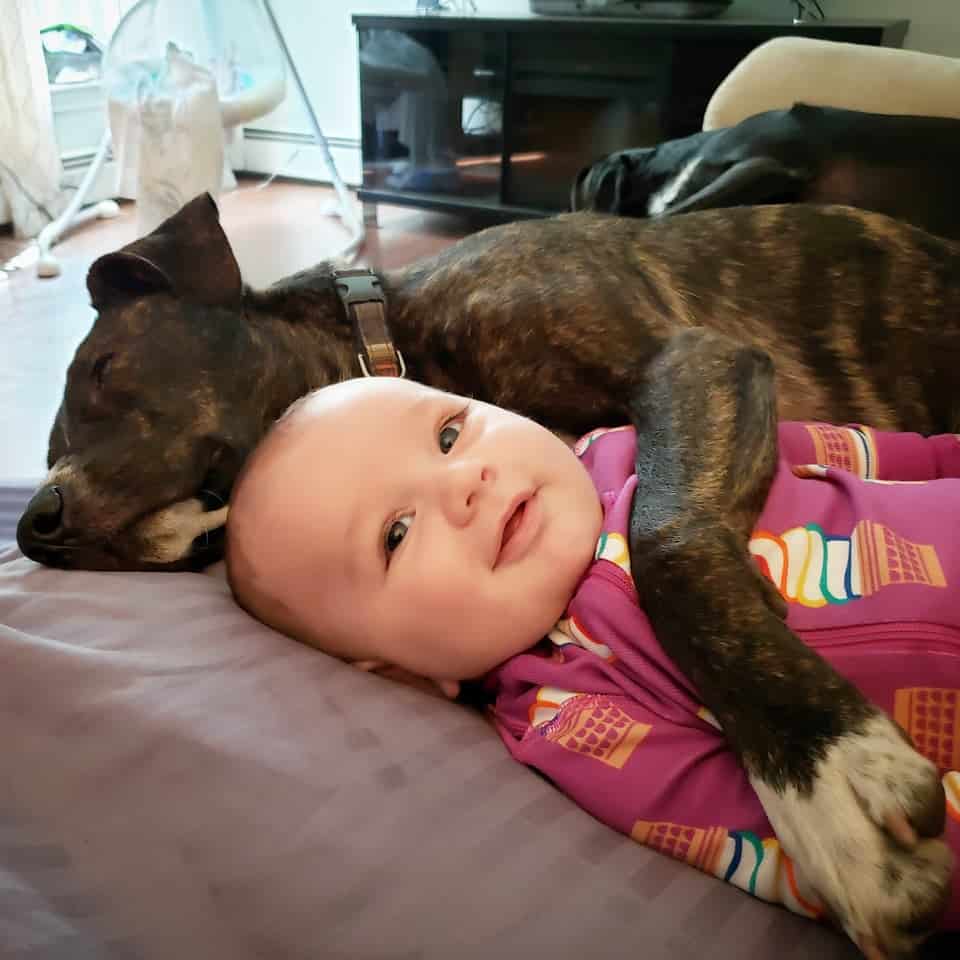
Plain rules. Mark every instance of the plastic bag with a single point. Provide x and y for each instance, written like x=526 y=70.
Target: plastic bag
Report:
x=168 y=142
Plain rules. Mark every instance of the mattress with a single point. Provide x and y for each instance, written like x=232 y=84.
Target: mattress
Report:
x=182 y=782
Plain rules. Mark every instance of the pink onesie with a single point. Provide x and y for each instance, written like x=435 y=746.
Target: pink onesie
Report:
x=867 y=553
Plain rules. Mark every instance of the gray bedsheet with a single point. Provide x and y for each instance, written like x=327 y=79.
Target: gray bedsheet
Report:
x=177 y=781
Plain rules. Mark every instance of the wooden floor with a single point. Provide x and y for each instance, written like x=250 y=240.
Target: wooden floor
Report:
x=273 y=231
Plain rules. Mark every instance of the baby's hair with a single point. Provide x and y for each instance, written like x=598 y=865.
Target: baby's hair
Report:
x=254 y=592
x=292 y=410
x=245 y=582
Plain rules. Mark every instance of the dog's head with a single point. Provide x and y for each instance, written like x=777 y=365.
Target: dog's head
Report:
x=164 y=399
x=733 y=166
x=624 y=182
x=608 y=186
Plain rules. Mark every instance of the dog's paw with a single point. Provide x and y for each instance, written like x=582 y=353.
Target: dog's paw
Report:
x=864 y=837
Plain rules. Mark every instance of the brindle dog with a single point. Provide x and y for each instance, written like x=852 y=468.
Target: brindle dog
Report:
x=573 y=321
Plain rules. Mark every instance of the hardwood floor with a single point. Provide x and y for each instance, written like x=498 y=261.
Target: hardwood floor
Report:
x=273 y=231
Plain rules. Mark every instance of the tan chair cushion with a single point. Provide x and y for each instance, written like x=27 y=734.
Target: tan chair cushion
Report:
x=785 y=70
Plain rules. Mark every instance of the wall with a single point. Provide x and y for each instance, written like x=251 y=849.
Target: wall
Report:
x=934 y=24
x=323 y=44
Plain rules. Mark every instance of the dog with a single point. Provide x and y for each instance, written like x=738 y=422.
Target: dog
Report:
x=578 y=320
x=903 y=166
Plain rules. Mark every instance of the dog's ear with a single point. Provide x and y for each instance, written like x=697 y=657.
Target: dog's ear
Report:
x=188 y=254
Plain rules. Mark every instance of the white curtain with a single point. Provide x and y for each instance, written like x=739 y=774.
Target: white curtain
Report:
x=29 y=159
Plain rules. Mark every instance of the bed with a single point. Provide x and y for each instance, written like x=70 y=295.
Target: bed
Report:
x=179 y=781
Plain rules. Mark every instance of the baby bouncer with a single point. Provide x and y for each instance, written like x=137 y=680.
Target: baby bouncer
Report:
x=180 y=78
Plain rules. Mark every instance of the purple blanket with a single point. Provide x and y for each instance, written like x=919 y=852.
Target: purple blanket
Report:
x=179 y=781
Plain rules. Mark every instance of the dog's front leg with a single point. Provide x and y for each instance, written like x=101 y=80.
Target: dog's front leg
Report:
x=847 y=795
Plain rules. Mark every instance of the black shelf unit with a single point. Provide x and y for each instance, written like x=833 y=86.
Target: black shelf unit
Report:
x=493 y=115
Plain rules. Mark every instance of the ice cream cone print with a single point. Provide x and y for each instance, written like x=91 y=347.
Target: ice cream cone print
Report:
x=596 y=727
x=951 y=786
x=613 y=547
x=931 y=716
x=700 y=848
x=547 y=704
x=849 y=448
x=762 y=869
x=758 y=866
x=885 y=558
x=587 y=440
x=813 y=568
x=569 y=630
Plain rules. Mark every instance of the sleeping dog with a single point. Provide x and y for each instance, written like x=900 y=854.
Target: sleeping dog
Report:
x=903 y=166
x=567 y=320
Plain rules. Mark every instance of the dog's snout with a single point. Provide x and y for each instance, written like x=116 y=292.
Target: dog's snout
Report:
x=41 y=526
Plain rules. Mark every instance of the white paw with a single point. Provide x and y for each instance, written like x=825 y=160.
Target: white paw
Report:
x=853 y=837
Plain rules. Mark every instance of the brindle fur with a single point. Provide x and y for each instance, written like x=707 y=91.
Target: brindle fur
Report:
x=554 y=318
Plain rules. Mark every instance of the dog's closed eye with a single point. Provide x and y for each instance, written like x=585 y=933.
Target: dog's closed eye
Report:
x=101 y=367
x=224 y=460
x=209 y=495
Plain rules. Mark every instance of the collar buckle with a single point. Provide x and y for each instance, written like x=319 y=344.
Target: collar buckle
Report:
x=361 y=294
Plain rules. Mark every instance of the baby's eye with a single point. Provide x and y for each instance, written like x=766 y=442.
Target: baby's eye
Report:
x=395 y=533
x=448 y=435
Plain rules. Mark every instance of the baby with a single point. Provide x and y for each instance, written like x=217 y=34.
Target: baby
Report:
x=376 y=556
x=394 y=525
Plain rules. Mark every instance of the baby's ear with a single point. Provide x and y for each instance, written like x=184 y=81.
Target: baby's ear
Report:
x=368 y=666
x=448 y=688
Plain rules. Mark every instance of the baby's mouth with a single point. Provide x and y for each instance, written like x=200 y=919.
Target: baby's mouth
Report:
x=513 y=530
x=513 y=524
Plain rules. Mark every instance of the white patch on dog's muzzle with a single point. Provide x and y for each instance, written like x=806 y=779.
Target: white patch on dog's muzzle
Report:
x=168 y=534
x=665 y=196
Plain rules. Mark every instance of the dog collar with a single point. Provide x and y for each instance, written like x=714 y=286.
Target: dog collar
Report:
x=361 y=294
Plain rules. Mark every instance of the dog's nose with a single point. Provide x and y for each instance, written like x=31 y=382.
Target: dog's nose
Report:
x=45 y=513
x=41 y=525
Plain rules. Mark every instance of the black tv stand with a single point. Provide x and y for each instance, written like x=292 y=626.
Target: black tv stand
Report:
x=495 y=115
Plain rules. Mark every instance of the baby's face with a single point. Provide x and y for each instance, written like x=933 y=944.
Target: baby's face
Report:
x=436 y=534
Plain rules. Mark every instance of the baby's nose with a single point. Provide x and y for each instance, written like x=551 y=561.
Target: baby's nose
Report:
x=466 y=483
